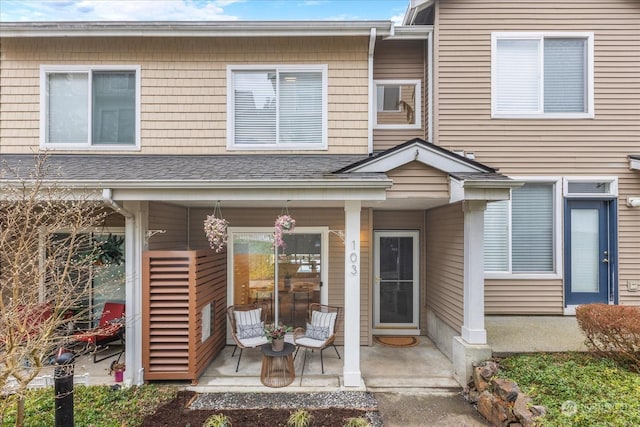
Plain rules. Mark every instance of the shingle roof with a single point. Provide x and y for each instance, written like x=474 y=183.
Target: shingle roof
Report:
x=79 y=167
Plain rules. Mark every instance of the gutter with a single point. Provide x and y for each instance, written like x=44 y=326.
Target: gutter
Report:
x=372 y=46
x=195 y=29
x=106 y=198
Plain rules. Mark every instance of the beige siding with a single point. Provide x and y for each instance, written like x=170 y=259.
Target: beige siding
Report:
x=408 y=220
x=173 y=220
x=445 y=264
x=332 y=218
x=183 y=93
x=523 y=296
x=394 y=60
x=416 y=179
x=597 y=146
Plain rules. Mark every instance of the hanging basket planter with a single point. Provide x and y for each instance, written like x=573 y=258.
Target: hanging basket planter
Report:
x=284 y=224
x=215 y=228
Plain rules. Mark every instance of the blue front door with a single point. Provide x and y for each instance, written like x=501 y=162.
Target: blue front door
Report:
x=589 y=259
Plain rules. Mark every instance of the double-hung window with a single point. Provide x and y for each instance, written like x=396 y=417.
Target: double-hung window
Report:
x=546 y=75
x=520 y=234
x=274 y=107
x=90 y=106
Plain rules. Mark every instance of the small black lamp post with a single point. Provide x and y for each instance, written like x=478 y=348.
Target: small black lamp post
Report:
x=63 y=384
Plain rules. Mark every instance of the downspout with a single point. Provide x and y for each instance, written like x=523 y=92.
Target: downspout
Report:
x=106 y=198
x=372 y=45
x=430 y=87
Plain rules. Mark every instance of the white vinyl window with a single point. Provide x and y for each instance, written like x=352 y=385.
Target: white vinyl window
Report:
x=546 y=75
x=397 y=104
x=520 y=233
x=277 y=107
x=89 y=107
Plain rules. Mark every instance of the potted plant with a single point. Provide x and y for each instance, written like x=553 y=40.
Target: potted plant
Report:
x=117 y=368
x=215 y=229
x=284 y=224
x=275 y=335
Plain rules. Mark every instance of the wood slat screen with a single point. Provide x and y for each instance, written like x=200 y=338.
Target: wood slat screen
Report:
x=177 y=286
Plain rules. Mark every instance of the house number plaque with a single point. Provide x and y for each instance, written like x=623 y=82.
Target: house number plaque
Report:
x=353 y=258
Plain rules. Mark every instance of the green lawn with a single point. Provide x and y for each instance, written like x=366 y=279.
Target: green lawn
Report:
x=578 y=389
x=98 y=406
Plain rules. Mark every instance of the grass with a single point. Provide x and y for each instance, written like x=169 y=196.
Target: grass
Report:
x=95 y=405
x=578 y=389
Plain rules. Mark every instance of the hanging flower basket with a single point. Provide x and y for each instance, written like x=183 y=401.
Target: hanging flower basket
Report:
x=216 y=231
x=284 y=224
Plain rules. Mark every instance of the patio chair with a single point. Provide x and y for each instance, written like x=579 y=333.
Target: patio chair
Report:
x=247 y=326
x=321 y=331
x=110 y=328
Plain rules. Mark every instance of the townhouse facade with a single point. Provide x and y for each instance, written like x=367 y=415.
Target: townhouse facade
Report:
x=478 y=159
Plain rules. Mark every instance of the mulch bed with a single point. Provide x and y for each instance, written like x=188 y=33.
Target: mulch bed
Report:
x=175 y=413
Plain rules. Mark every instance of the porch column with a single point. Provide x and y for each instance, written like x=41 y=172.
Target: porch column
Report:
x=351 y=368
x=135 y=244
x=473 y=331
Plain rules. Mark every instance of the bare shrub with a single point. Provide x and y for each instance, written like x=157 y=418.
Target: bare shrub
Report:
x=612 y=331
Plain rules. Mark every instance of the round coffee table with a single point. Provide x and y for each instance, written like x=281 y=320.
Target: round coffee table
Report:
x=277 y=366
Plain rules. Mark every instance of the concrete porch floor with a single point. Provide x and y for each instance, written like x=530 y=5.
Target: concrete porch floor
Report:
x=383 y=368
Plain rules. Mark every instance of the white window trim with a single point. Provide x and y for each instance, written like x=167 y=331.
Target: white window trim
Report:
x=611 y=180
x=46 y=69
x=231 y=145
x=589 y=114
x=557 y=233
x=418 y=110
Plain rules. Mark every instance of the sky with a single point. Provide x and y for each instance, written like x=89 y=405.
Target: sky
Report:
x=201 y=10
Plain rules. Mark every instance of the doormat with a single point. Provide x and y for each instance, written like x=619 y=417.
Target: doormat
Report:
x=397 y=341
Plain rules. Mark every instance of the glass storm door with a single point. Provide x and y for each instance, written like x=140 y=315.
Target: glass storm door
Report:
x=588 y=257
x=396 y=279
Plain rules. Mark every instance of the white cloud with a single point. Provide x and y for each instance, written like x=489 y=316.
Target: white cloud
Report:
x=397 y=19
x=111 y=10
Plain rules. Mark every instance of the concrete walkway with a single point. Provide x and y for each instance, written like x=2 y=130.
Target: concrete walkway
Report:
x=527 y=334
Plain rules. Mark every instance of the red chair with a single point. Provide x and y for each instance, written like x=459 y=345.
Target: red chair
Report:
x=110 y=328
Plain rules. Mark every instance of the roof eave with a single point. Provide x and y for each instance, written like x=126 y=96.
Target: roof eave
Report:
x=195 y=29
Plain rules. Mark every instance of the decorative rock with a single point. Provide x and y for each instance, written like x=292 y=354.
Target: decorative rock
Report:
x=473 y=396
x=505 y=389
x=488 y=370
x=479 y=381
x=494 y=410
x=522 y=412
x=539 y=410
x=515 y=425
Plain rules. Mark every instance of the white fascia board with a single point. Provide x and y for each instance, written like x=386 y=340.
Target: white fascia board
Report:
x=634 y=164
x=195 y=29
x=489 y=190
x=250 y=194
x=419 y=153
x=413 y=32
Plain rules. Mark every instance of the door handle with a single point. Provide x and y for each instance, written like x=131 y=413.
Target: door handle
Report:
x=606 y=260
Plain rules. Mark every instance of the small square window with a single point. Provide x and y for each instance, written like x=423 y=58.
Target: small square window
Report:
x=397 y=104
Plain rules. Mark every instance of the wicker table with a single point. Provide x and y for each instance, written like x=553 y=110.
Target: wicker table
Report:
x=277 y=366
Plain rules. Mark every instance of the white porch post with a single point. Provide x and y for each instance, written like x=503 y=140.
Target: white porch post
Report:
x=473 y=331
x=135 y=244
x=351 y=370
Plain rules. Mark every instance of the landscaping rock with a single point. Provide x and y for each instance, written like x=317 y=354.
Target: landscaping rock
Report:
x=488 y=370
x=539 y=410
x=505 y=389
x=495 y=410
x=481 y=384
x=473 y=396
x=522 y=412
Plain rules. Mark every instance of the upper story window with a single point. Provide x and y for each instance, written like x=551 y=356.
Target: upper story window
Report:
x=542 y=75
x=397 y=104
x=89 y=107
x=277 y=107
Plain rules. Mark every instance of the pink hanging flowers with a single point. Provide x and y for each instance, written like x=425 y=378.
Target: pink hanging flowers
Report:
x=284 y=224
x=216 y=232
